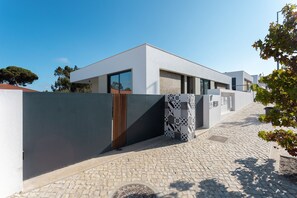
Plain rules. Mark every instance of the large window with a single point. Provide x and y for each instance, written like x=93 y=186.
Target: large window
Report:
x=204 y=86
x=233 y=83
x=120 y=82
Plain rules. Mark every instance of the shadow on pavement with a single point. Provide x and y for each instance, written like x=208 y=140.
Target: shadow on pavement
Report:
x=261 y=179
x=248 y=121
x=179 y=186
x=212 y=188
x=257 y=180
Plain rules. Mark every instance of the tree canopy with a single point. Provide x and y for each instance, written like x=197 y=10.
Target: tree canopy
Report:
x=63 y=84
x=281 y=45
x=14 y=75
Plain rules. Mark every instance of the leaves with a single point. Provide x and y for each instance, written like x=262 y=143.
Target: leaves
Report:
x=281 y=92
x=281 y=45
x=285 y=138
x=17 y=76
x=281 y=41
x=63 y=83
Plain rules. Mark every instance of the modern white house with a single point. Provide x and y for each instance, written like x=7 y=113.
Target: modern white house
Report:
x=241 y=81
x=256 y=79
x=146 y=69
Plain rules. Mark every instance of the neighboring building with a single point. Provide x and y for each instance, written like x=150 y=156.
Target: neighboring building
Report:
x=8 y=86
x=241 y=81
x=256 y=79
x=148 y=70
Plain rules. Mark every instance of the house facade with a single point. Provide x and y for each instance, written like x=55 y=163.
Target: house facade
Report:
x=241 y=81
x=149 y=70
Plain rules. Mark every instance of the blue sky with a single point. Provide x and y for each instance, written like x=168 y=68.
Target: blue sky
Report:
x=41 y=35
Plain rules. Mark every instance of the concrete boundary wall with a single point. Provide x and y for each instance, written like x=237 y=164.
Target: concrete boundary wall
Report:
x=11 y=142
x=213 y=106
x=61 y=129
x=243 y=99
x=145 y=117
x=211 y=110
x=239 y=98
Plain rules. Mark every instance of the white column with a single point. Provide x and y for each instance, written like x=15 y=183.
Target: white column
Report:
x=185 y=84
x=211 y=110
x=94 y=85
x=11 y=142
x=212 y=84
x=197 y=86
x=102 y=84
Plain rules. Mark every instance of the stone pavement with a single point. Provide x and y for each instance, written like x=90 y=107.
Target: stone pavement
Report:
x=239 y=167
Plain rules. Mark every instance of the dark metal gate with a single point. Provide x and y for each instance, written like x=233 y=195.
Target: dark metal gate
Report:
x=199 y=110
x=137 y=118
x=63 y=129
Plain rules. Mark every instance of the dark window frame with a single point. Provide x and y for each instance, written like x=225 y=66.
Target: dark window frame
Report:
x=119 y=79
x=203 y=88
x=233 y=83
x=182 y=81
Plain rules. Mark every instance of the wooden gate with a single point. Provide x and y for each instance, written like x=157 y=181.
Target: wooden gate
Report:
x=119 y=120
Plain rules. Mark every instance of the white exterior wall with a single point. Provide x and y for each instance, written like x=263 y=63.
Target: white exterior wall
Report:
x=157 y=60
x=146 y=62
x=240 y=77
x=255 y=79
x=94 y=85
x=239 y=99
x=197 y=86
x=11 y=142
x=243 y=99
x=212 y=84
x=133 y=59
x=103 y=84
x=211 y=113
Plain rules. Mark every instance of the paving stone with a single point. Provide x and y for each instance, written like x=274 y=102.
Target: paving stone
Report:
x=240 y=167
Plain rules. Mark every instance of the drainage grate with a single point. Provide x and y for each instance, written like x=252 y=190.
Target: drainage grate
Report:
x=134 y=191
x=218 y=138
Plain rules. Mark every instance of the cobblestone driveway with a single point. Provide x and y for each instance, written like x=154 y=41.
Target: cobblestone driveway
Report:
x=240 y=167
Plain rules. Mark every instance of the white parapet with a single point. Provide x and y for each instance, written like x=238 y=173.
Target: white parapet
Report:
x=11 y=142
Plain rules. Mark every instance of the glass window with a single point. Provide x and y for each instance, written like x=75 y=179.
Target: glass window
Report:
x=233 y=83
x=126 y=82
x=204 y=86
x=201 y=87
x=114 y=84
x=120 y=83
